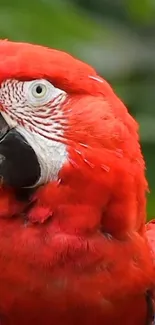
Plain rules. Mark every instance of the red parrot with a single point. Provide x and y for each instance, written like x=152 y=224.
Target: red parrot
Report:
x=73 y=240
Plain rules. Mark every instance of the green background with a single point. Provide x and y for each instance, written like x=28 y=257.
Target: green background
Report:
x=116 y=37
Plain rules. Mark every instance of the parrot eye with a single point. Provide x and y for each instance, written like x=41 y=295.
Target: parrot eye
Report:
x=40 y=92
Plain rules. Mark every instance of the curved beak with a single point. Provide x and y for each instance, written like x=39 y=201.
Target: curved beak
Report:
x=4 y=128
x=19 y=165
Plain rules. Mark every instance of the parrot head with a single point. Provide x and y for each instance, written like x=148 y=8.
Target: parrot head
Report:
x=64 y=130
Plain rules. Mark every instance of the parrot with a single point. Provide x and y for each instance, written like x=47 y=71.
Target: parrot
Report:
x=74 y=244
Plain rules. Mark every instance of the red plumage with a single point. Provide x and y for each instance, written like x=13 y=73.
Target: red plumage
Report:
x=83 y=256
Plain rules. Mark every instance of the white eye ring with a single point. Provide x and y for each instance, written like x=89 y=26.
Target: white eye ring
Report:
x=40 y=92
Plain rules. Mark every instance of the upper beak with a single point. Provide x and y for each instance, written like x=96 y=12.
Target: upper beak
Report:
x=4 y=127
x=19 y=166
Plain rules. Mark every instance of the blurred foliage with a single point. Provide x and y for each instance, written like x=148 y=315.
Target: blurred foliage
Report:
x=115 y=36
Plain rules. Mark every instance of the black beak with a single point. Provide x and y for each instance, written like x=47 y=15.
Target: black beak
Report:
x=4 y=128
x=19 y=165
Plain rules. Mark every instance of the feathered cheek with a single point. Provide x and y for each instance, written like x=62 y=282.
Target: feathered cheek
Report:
x=19 y=165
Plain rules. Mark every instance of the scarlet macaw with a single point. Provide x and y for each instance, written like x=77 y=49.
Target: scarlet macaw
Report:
x=73 y=241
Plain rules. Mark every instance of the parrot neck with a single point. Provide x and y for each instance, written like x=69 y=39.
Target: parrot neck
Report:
x=78 y=207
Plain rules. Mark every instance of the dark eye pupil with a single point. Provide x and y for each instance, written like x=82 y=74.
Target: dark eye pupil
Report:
x=39 y=89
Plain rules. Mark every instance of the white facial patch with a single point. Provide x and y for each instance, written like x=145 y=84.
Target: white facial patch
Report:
x=34 y=108
x=51 y=155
